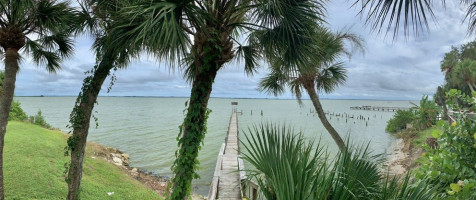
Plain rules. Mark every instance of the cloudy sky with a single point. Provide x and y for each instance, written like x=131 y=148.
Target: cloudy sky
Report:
x=402 y=69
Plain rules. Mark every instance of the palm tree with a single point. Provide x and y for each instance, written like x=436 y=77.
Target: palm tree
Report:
x=97 y=18
x=464 y=75
x=285 y=166
x=203 y=36
x=323 y=75
x=20 y=23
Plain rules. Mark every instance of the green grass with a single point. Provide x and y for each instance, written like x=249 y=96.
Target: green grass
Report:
x=34 y=165
x=421 y=136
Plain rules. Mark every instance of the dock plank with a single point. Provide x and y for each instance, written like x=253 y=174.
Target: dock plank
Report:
x=228 y=185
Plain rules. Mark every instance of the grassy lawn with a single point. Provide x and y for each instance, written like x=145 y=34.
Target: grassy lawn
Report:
x=34 y=169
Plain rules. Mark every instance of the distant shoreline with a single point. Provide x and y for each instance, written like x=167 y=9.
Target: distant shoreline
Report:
x=237 y=98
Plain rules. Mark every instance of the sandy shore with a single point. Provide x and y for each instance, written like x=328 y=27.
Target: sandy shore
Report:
x=403 y=157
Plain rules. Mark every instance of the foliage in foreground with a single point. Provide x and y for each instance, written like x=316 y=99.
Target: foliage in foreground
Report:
x=34 y=165
x=290 y=168
x=452 y=165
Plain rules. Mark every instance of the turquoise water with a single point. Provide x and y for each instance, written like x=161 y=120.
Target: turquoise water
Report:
x=146 y=128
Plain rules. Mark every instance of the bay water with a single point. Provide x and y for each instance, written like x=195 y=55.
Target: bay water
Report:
x=146 y=128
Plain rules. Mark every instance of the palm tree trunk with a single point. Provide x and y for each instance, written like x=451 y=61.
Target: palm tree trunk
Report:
x=208 y=60
x=470 y=86
x=11 y=69
x=322 y=116
x=80 y=122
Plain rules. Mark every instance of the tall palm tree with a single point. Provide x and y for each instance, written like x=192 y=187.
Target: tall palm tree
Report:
x=36 y=28
x=97 y=18
x=322 y=75
x=205 y=35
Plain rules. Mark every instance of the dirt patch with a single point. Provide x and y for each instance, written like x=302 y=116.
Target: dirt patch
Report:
x=404 y=155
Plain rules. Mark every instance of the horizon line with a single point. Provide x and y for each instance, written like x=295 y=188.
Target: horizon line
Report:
x=134 y=96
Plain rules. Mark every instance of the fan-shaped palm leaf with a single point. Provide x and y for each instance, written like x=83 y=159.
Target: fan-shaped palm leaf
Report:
x=288 y=167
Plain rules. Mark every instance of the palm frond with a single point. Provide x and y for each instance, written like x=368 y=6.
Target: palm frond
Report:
x=388 y=15
x=288 y=167
x=328 y=78
x=250 y=53
x=157 y=25
x=295 y=86
x=61 y=43
x=285 y=163
x=188 y=70
x=405 y=188
x=274 y=83
x=51 y=16
x=43 y=56
x=289 y=27
x=471 y=17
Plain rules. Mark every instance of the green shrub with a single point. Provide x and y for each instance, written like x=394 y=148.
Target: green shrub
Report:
x=17 y=113
x=400 y=120
x=452 y=165
x=38 y=119
x=426 y=113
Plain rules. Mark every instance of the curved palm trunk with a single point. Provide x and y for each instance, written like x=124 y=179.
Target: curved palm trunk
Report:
x=208 y=60
x=11 y=69
x=80 y=122
x=322 y=116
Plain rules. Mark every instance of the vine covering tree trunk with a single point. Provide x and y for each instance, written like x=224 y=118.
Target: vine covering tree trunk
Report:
x=322 y=116
x=11 y=69
x=80 y=120
x=210 y=56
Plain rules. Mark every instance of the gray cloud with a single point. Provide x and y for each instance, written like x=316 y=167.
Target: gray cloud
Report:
x=403 y=69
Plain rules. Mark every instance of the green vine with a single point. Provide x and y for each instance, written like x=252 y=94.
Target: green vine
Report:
x=76 y=118
x=192 y=131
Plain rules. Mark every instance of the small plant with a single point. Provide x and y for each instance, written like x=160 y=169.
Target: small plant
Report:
x=17 y=113
x=38 y=119
x=400 y=121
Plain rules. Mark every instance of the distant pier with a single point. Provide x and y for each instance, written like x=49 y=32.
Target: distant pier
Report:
x=379 y=108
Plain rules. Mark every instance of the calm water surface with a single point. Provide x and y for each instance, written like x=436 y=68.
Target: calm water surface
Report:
x=146 y=128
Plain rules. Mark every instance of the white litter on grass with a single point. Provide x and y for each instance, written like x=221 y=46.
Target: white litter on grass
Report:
x=110 y=193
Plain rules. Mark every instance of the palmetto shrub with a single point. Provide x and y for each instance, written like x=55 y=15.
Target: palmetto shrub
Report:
x=287 y=166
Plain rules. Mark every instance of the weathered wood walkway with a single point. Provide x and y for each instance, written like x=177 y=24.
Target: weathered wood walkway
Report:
x=226 y=183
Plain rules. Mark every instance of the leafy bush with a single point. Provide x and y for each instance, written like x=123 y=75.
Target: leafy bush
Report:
x=452 y=165
x=400 y=120
x=16 y=112
x=426 y=113
x=38 y=119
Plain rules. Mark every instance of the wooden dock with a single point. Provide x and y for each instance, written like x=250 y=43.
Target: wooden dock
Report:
x=379 y=108
x=226 y=183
